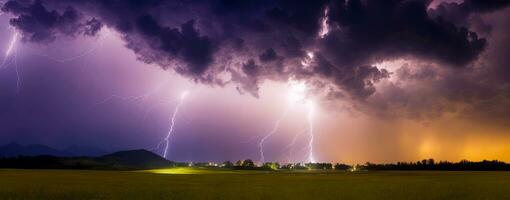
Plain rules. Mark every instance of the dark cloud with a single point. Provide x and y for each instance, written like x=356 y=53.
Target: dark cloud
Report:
x=38 y=24
x=250 y=68
x=424 y=89
x=185 y=43
x=461 y=12
x=485 y=5
x=92 y=26
x=254 y=41
x=268 y=55
x=249 y=81
x=359 y=80
x=376 y=30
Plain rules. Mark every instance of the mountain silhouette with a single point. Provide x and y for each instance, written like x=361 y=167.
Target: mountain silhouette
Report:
x=122 y=160
x=140 y=158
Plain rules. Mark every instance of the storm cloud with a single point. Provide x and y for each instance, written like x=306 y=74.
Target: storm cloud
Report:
x=335 y=44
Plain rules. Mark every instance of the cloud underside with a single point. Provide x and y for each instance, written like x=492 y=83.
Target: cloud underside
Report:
x=336 y=46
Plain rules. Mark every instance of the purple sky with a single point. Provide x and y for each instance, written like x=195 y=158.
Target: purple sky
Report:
x=385 y=88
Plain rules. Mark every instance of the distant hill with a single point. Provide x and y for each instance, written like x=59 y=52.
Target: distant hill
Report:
x=15 y=149
x=122 y=160
x=135 y=159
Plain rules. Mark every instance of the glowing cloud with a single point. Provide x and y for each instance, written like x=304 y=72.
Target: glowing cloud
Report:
x=324 y=24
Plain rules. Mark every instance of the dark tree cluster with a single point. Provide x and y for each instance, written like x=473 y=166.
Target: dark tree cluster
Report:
x=271 y=166
x=323 y=166
x=430 y=164
x=244 y=164
x=426 y=164
x=340 y=166
x=141 y=159
x=249 y=165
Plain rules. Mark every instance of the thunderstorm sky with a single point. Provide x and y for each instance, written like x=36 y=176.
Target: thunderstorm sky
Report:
x=398 y=80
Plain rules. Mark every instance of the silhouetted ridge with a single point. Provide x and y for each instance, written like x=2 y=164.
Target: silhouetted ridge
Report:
x=135 y=159
x=122 y=160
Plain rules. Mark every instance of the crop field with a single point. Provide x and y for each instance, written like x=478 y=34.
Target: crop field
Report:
x=194 y=183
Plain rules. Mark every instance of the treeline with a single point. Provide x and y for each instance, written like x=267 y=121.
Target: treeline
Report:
x=431 y=164
x=141 y=159
x=428 y=164
x=248 y=164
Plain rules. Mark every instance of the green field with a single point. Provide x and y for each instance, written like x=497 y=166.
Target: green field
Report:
x=186 y=183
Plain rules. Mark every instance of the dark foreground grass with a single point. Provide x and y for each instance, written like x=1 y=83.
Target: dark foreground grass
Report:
x=203 y=184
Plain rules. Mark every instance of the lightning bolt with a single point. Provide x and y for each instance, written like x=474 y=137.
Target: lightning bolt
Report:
x=10 y=47
x=166 y=140
x=311 y=109
x=8 y=53
x=11 y=52
x=292 y=143
x=99 y=44
x=141 y=97
x=272 y=132
x=311 y=135
x=296 y=93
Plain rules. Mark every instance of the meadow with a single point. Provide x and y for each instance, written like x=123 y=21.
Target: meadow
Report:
x=193 y=183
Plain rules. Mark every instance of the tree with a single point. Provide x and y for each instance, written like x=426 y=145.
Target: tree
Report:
x=271 y=166
x=227 y=164
x=431 y=161
x=299 y=166
x=248 y=163
x=340 y=166
x=287 y=166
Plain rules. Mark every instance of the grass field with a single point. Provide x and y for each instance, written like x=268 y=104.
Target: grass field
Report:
x=185 y=183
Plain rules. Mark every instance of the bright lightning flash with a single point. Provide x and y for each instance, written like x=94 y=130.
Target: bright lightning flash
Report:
x=308 y=59
x=11 y=46
x=311 y=110
x=8 y=53
x=324 y=24
x=166 y=140
x=273 y=131
x=296 y=93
